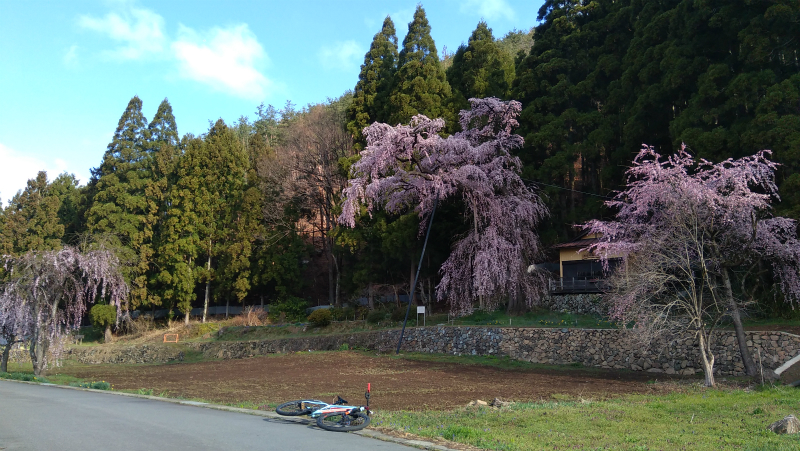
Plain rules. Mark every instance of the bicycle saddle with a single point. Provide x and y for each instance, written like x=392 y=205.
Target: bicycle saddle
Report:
x=339 y=401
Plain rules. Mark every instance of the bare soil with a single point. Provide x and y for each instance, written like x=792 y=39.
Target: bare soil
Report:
x=397 y=383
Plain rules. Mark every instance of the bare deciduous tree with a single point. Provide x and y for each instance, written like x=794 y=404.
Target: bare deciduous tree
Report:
x=315 y=142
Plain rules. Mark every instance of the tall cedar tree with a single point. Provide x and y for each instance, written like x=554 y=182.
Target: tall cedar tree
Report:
x=374 y=81
x=420 y=85
x=31 y=221
x=163 y=147
x=119 y=205
x=218 y=204
x=179 y=241
x=569 y=123
x=480 y=69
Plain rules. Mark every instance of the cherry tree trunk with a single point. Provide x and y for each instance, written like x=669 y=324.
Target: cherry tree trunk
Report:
x=38 y=351
x=741 y=338
x=186 y=316
x=6 y=355
x=107 y=337
x=707 y=360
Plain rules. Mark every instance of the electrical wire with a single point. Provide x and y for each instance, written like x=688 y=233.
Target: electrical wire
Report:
x=566 y=189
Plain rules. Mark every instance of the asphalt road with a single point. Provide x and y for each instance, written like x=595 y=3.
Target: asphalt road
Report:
x=44 y=418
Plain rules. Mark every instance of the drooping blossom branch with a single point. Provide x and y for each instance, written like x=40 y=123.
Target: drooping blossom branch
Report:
x=407 y=166
x=727 y=204
x=50 y=291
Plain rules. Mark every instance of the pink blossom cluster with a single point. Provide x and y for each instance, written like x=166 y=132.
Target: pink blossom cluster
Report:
x=410 y=166
x=727 y=204
x=47 y=292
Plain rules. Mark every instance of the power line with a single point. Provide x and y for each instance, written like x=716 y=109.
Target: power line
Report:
x=567 y=189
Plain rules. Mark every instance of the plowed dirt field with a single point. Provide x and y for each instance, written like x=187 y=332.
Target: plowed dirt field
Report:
x=397 y=383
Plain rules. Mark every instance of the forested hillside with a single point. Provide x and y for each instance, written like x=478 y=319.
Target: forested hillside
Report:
x=247 y=211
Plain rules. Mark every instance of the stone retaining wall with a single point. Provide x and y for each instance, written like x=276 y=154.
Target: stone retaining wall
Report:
x=605 y=348
x=587 y=304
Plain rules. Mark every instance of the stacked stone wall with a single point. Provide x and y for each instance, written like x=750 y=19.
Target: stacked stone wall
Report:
x=585 y=304
x=604 y=348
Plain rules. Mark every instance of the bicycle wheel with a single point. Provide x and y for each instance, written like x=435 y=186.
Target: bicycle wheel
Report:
x=343 y=422
x=298 y=407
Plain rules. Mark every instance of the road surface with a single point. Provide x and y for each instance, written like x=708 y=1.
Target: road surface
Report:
x=43 y=418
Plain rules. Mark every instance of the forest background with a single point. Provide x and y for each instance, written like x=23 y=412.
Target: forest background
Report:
x=246 y=212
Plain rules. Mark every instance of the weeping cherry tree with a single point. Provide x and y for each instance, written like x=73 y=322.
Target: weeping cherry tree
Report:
x=413 y=166
x=683 y=226
x=47 y=293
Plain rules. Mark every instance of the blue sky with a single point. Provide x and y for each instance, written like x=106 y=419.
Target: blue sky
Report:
x=70 y=68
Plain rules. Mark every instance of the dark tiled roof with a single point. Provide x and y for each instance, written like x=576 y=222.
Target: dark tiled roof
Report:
x=578 y=244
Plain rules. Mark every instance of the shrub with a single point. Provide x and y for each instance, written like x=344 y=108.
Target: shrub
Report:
x=336 y=314
x=349 y=313
x=376 y=316
x=207 y=328
x=399 y=313
x=94 y=385
x=27 y=377
x=320 y=317
x=103 y=315
x=292 y=307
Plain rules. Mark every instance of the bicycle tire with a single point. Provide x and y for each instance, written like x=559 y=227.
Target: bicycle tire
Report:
x=297 y=408
x=343 y=422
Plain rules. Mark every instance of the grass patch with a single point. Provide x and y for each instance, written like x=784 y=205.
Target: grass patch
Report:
x=96 y=385
x=27 y=377
x=534 y=318
x=697 y=419
x=502 y=362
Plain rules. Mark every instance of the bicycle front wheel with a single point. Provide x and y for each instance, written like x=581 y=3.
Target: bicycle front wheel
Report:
x=343 y=422
x=298 y=407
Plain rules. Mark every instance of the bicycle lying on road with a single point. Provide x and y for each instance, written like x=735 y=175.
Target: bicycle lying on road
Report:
x=338 y=417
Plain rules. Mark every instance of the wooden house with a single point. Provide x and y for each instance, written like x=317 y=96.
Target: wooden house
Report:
x=580 y=271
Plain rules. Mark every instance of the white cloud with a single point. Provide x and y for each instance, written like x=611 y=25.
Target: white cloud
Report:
x=71 y=57
x=224 y=58
x=18 y=167
x=489 y=9
x=141 y=32
x=343 y=55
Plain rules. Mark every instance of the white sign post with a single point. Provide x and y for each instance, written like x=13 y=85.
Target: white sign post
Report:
x=421 y=309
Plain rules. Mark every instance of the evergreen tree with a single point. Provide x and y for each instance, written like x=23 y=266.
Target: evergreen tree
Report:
x=163 y=154
x=420 y=85
x=31 y=221
x=73 y=206
x=480 y=69
x=219 y=179
x=570 y=123
x=119 y=203
x=179 y=240
x=374 y=82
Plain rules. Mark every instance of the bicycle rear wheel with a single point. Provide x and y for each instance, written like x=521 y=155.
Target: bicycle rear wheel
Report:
x=298 y=407
x=343 y=422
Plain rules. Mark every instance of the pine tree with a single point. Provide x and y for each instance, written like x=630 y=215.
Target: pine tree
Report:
x=480 y=69
x=420 y=85
x=119 y=202
x=374 y=82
